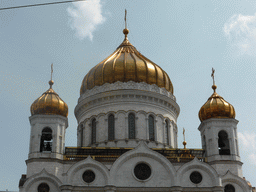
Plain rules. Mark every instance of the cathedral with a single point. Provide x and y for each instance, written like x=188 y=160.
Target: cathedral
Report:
x=127 y=135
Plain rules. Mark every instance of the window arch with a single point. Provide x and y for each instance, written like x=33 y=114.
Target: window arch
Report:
x=229 y=188
x=93 y=139
x=111 y=127
x=151 y=128
x=223 y=143
x=43 y=187
x=46 y=140
x=131 y=125
x=166 y=132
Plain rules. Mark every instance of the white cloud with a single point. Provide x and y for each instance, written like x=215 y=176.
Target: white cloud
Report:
x=241 y=31
x=85 y=17
x=248 y=144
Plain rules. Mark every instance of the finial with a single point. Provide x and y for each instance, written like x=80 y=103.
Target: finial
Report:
x=125 y=19
x=125 y=31
x=51 y=82
x=184 y=142
x=214 y=87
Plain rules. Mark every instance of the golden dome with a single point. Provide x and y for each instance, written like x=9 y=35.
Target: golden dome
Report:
x=126 y=64
x=49 y=104
x=216 y=107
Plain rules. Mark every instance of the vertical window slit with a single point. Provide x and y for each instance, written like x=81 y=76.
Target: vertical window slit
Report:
x=151 y=127
x=131 y=125
x=111 y=127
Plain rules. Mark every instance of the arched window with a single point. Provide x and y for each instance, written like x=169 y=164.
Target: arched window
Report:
x=223 y=143
x=46 y=140
x=166 y=132
x=131 y=126
x=43 y=187
x=151 y=128
x=111 y=127
x=229 y=188
x=93 y=131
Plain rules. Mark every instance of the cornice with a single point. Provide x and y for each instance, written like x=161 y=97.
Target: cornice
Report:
x=218 y=122
x=225 y=162
x=126 y=85
x=48 y=119
x=127 y=96
x=127 y=141
x=50 y=160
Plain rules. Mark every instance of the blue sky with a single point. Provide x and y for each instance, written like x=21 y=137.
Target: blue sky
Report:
x=185 y=38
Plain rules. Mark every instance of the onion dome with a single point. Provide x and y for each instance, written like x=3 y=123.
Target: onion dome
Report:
x=216 y=107
x=49 y=104
x=126 y=64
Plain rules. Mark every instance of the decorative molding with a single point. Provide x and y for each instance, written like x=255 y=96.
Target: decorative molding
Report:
x=174 y=125
x=142 y=150
x=198 y=165
x=126 y=85
x=130 y=143
x=126 y=113
x=42 y=176
x=170 y=105
x=230 y=178
x=218 y=122
x=48 y=119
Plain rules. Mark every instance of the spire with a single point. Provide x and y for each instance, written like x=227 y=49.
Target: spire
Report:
x=184 y=142
x=125 y=31
x=214 y=87
x=125 y=19
x=51 y=82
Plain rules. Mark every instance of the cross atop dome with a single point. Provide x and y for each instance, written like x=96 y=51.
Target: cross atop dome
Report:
x=49 y=103
x=216 y=106
x=126 y=64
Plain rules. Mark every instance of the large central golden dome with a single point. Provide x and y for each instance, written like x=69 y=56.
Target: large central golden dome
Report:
x=126 y=64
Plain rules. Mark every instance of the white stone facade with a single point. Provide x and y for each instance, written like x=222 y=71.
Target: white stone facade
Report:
x=120 y=99
x=119 y=176
x=58 y=125
x=222 y=163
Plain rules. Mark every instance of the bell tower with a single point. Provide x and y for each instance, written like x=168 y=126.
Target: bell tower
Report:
x=219 y=134
x=48 y=122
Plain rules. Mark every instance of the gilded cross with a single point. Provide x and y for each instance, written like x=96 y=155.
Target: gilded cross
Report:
x=184 y=134
x=125 y=19
x=212 y=75
x=51 y=70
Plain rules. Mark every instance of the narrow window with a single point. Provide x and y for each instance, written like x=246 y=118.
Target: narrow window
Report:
x=46 y=140
x=204 y=146
x=151 y=128
x=131 y=125
x=111 y=127
x=43 y=187
x=60 y=144
x=93 y=131
x=166 y=132
x=223 y=143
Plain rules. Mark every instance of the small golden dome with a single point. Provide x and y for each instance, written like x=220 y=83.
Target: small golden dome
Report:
x=216 y=107
x=126 y=64
x=49 y=104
